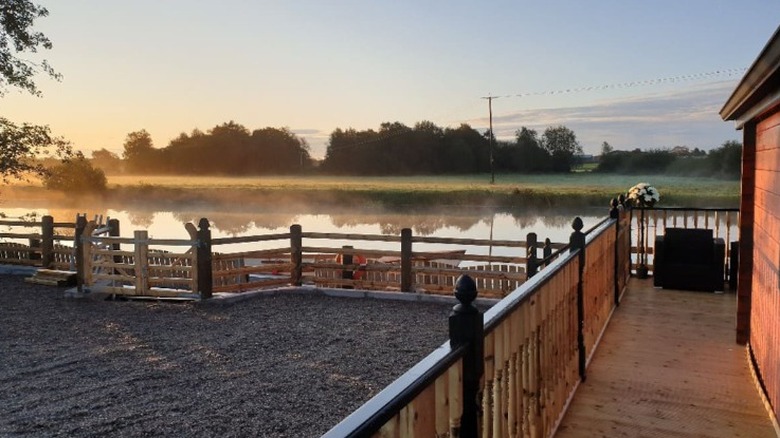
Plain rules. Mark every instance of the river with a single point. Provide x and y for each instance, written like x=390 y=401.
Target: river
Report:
x=451 y=221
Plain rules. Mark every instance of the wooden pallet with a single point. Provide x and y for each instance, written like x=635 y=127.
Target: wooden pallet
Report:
x=52 y=277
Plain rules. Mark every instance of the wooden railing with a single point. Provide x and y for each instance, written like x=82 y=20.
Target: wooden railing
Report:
x=234 y=264
x=723 y=221
x=37 y=243
x=416 y=270
x=305 y=261
x=523 y=364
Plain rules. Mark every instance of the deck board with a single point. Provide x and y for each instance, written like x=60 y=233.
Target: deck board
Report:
x=668 y=366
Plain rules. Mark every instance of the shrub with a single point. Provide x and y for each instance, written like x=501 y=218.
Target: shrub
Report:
x=76 y=175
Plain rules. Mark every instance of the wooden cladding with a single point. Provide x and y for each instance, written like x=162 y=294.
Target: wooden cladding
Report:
x=764 y=326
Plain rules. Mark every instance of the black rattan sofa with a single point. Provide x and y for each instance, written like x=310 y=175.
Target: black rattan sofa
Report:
x=689 y=259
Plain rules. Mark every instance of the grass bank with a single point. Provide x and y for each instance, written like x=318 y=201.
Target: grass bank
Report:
x=509 y=191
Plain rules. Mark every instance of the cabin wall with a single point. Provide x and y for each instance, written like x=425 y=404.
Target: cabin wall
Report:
x=765 y=290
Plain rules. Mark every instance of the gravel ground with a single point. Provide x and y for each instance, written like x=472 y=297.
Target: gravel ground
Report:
x=288 y=365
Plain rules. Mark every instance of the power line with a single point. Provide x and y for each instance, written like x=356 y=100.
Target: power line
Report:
x=633 y=84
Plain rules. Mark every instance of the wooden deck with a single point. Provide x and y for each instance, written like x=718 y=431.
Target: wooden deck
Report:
x=668 y=366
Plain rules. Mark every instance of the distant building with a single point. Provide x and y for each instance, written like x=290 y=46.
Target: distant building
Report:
x=683 y=151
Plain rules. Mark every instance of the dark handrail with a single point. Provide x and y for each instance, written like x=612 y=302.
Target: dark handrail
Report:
x=602 y=222
x=496 y=314
x=730 y=209
x=373 y=414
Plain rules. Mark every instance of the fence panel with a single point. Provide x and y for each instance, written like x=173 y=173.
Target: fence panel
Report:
x=531 y=359
x=598 y=284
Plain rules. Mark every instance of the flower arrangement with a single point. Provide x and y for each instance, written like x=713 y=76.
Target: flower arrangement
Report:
x=643 y=195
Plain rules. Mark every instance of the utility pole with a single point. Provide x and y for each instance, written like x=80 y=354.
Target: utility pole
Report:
x=490 y=110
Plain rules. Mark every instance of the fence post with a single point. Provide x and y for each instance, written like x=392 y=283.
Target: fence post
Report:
x=141 y=241
x=81 y=224
x=47 y=241
x=614 y=213
x=406 y=260
x=113 y=231
x=296 y=255
x=466 y=326
x=205 y=277
x=547 y=251
x=346 y=260
x=531 y=264
x=577 y=242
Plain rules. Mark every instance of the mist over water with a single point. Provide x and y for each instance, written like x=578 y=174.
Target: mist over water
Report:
x=166 y=220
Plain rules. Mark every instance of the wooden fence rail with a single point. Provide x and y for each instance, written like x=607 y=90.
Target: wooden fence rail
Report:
x=358 y=266
x=37 y=243
x=416 y=270
x=132 y=266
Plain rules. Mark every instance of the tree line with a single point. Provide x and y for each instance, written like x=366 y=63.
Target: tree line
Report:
x=393 y=149
x=226 y=149
x=398 y=149
x=724 y=161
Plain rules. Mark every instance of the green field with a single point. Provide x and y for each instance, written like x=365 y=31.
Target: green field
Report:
x=508 y=190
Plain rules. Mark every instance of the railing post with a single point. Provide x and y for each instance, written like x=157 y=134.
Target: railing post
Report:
x=406 y=260
x=141 y=242
x=47 y=241
x=614 y=213
x=205 y=276
x=626 y=210
x=531 y=263
x=621 y=199
x=547 y=251
x=466 y=325
x=296 y=255
x=78 y=243
x=577 y=242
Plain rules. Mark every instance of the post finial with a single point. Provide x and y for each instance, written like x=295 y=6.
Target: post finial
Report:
x=613 y=208
x=203 y=224
x=577 y=224
x=465 y=290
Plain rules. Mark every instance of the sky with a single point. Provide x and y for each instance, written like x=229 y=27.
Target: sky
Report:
x=636 y=74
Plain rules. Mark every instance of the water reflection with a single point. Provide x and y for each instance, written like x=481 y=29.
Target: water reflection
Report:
x=449 y=221
x=390 y=223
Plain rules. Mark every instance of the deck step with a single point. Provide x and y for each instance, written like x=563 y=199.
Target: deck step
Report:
x=53 y=277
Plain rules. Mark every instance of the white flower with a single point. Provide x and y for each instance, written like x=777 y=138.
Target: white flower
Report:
x=643 y=195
